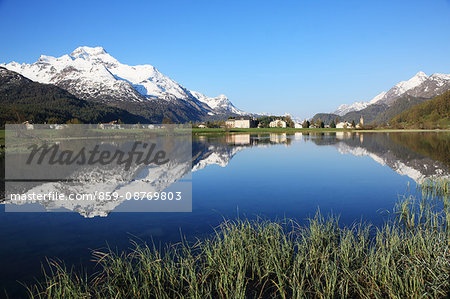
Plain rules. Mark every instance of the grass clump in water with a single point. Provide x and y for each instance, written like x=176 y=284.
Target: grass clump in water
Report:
x=406 y=257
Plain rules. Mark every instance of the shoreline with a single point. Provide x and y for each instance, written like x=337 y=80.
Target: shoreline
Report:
x=211 y=131
x=196 y=131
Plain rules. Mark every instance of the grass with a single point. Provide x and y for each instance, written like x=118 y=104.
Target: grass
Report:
x=408 y=257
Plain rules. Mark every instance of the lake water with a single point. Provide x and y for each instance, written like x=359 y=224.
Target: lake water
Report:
x=273 y=176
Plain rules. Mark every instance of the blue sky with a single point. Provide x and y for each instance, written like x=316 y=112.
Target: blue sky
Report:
x=300 y=57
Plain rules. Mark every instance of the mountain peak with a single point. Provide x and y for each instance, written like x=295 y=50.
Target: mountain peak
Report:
x=94 y=55
x=45 y=58
x=93 y=74
x=420 y=86
x=420 y=74
x=440 y=76
x=88 y=50
x=87 y=53
x=404 y=86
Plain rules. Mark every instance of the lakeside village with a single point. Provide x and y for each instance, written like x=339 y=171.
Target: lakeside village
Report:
x=241 y=122
x=246 y=122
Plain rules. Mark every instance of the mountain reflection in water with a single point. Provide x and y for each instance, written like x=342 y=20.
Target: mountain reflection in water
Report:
x=417 y=155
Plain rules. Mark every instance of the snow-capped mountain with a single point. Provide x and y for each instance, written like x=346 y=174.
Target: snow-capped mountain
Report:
x=420 y=85
x=436 y=84
x=220 y=104
x=403 y=87
x=378 y=97
x=91 y=73
x=357 y=106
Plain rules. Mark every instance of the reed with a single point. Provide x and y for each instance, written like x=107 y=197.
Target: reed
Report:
x=408 y=257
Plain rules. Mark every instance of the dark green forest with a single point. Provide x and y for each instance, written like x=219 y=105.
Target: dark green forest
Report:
x=431 y=114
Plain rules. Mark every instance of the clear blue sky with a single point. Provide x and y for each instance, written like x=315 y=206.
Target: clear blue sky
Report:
x=298 y=56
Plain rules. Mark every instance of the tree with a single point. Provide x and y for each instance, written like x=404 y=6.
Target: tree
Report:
x=289 y=122
x=264 y=121
x=74 y=121
x=318 y=123
x=305 y=124
x=353 y=124
x=332 y=124
x=52 y=120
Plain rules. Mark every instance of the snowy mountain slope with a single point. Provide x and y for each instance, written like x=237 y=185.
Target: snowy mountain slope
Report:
x=404 y=86
x=80 y=77
x=220 y=104
x=357 y=106
x=92 y=74
x=23 y=99
x=377 y=98
x=420 y=85
x=436 y=84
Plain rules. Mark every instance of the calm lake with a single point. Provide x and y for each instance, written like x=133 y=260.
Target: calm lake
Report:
x=358 y=176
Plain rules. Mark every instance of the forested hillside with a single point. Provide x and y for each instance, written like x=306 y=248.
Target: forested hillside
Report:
x=24 y=100
x=431 y=114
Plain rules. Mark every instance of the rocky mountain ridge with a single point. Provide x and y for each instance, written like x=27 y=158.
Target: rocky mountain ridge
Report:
x=92 y=74
x=419 y=86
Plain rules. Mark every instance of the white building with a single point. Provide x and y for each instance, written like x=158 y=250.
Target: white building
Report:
x=298 y=126
x=343 y=125
x=114 y=125
x=229 y=123
x=28 y=125
x=57 y=126
x=240 y=123
x=278 y=123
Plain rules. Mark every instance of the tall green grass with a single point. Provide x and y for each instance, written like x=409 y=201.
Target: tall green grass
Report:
x=408 y=257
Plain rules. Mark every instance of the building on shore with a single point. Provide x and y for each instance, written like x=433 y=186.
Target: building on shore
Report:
x=114 y=125
x=278 y=123
x=28 y=125
x=343 y=125
x=242 y=123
